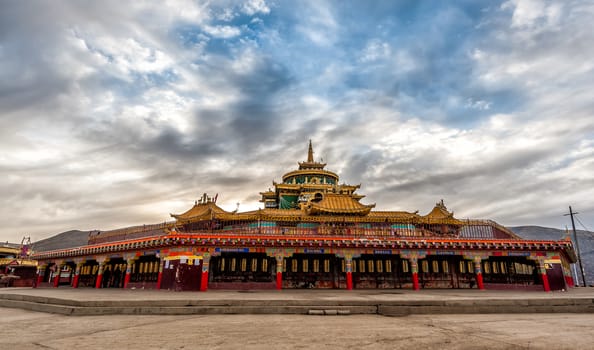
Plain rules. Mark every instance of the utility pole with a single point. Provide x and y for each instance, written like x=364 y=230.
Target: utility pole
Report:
x=577 y=245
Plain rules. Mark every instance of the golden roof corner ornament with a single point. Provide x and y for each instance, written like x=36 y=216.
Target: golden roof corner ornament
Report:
x=441 y=205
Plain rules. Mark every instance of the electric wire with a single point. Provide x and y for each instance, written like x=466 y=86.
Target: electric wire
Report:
x=588 y=232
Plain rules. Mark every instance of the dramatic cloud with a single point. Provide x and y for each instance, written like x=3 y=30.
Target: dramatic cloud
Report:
x=117 y=114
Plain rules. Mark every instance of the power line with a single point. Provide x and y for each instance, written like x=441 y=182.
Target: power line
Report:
x=588 y=232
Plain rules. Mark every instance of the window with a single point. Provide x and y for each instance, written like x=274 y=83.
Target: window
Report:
x=379 y=266
x=425 y=266
x=264 y=265
x=435 y=266
x=486 y=267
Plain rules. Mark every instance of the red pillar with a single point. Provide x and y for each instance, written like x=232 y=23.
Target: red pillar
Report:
x=99 y=279
x=39 y=278
x=159 y=279
x=479 y=281
x=39 y=281
x=99 y=276
x=349 y=280
x=127 y=279
x=204 y=281
x=348 y=262
x=204 y=277
x=478 y=271
x=542 y=270
x=76 y=275
x=129 y=263
x=279 y=272
x=57 y=278
x=414 y=269
x=415 y=280
x=545 y=282
x=279 y=280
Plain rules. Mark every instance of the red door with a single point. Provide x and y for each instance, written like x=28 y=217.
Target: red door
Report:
x=555 y=276
x=181 y=276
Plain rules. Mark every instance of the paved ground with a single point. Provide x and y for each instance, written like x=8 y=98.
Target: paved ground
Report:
x=31 y=330
x=23 y=329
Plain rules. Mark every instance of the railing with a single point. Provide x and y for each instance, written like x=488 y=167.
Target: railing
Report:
x=498 y=231
x=475 y=229
x=478 y=230
x=129 y=232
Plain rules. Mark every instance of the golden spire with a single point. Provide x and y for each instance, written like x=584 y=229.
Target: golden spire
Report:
x=310 y=163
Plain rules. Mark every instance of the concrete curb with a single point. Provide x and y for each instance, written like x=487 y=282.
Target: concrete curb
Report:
x=290 y=306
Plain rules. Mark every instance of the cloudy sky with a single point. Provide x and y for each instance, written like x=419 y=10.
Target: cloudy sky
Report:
x=116 y=114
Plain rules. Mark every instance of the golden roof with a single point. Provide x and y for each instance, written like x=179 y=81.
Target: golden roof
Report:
x=440 y=214
x=338 y=204
x=200 y=211
x=326 y=209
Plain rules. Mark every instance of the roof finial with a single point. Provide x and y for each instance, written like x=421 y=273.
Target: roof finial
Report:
x=310 y=158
